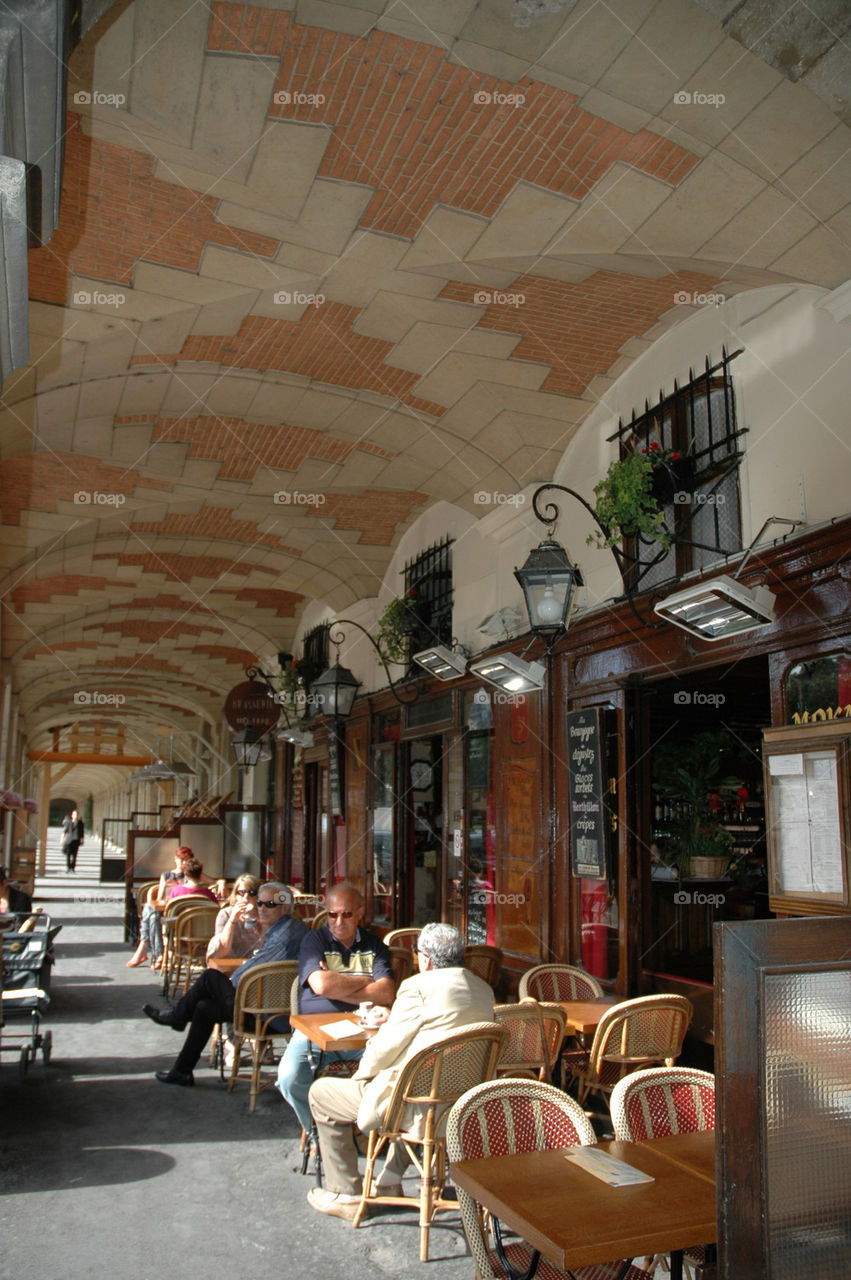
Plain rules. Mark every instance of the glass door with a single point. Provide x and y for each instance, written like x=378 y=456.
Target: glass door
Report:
x=424 y=811
x=383 y=829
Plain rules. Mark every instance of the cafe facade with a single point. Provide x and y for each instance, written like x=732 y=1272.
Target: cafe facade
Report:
x=458 y=800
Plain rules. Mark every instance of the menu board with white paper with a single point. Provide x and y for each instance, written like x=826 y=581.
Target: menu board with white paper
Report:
x=808 y=858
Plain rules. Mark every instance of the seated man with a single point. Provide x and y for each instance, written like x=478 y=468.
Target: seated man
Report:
x=442 y=998
x=339 y=965
x=210 y=998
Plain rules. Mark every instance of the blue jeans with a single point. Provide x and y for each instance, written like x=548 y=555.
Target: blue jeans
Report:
x=151 y=931
x=296 y=1073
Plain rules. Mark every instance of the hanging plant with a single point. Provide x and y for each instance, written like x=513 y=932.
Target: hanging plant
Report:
x=289 y=682
x=395 y=627
x=629 y=494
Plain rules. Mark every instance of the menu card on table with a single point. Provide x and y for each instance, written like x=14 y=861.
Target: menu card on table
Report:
x=616 y=1173
x=342 y=1030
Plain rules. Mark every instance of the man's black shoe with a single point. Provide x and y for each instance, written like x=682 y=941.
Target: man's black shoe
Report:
x=175 y=1077
x=162 y=1017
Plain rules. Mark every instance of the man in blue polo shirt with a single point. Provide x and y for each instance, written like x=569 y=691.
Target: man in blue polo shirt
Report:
x=339 y=966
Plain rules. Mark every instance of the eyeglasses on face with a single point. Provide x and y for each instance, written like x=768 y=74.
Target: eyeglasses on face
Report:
x=340 y=915
x=268 y=902
x=246 y=893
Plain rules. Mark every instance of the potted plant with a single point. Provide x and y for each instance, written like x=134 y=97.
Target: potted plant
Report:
x=395 y=627
x=290 y=683
x=630 y=493
x=688 y=777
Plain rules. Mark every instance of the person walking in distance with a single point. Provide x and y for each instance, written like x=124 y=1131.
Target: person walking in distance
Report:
x=73 y=831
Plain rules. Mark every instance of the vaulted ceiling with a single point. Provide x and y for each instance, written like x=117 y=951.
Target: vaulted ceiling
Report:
x=321 y=265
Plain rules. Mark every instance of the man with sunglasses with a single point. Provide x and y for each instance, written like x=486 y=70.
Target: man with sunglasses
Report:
x=210 y=998
x=340 y=965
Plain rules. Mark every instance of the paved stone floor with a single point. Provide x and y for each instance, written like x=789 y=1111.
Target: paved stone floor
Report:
x=105 y=1172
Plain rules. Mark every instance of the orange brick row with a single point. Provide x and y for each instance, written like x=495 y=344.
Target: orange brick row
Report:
x=102 y=233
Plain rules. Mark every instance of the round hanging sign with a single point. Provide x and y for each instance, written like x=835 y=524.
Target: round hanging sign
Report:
x=251 y=703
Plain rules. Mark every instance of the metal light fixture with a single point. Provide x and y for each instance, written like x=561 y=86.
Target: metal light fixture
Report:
x=718 y=609
x=335 y=691
x=724 y=607
x=549 y=581
x=298 y=737
x=510 y=673
x=247 y=746
x=446 y=664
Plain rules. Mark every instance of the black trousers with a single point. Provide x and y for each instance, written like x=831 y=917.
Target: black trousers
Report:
x=209 y=1000
x=70 y=851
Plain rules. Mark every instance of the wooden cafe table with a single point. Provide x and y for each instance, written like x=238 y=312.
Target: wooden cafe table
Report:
x=226 y=964
x=319 y=1029
x=584 y=1015
x=575 y=1220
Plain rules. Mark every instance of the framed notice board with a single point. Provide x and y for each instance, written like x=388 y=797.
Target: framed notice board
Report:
x=807 y=785
x=586 y=745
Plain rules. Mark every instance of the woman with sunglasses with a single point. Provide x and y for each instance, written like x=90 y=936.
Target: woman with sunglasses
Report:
x=236 y=932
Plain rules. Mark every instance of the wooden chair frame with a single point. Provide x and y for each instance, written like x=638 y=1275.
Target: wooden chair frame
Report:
x=483 y=960
x=171 y=911
x=406 y=938
x=535 y=1035
x=432 y=1080
x=644 y=1032
x=192 y=933
x=263 y=995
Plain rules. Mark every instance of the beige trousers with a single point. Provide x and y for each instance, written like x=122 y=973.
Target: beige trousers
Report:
x=334 y=1103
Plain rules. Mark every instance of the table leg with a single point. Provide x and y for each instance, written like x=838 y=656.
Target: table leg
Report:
x=676 y=1264
x=505 y=1264
x=313 y=1136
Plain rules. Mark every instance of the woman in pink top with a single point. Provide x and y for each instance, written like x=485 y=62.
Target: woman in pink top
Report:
x=192 y=873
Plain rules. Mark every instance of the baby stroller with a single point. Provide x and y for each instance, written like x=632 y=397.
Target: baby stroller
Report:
x=25 y=985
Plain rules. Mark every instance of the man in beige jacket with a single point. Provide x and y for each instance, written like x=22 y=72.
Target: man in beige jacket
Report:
x=442 y=998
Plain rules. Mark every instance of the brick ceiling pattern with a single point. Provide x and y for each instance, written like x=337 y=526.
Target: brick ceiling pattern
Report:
x=115 y=214
x=280 y=316
x=425 y=131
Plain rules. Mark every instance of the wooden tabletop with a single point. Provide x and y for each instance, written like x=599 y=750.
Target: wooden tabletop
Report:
x=583 y=1015
x=692 y=1151
x=226 y=964
x=575 y=1220
x=311 y=1025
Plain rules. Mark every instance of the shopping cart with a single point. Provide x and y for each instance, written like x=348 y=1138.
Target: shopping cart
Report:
x=25 y=986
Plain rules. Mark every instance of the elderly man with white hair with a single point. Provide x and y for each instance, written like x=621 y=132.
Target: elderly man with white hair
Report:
x=443 y=997
x=210 y=999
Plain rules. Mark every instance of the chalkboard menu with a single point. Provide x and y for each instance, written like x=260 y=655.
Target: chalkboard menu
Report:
x=588 y=818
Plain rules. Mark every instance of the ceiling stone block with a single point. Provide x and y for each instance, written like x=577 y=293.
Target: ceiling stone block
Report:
x=166 y=73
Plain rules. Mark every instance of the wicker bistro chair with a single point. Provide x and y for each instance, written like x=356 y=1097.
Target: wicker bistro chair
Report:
x=402 y=961
x=484 y=961
x=406 y=937
x=172 y=910
x=637 y=1033
x=262 y=1000
x=426 y=1087
x=558 y=982
x=193 y=930
x=535 y=1032
x=500 y=1118
x=661 y=1101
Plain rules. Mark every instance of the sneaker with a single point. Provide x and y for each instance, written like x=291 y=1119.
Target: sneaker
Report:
x=337 y=1203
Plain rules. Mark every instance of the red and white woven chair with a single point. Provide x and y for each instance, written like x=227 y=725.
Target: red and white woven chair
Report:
x=662 y=1101
x=500 y=1118
x=558 y=982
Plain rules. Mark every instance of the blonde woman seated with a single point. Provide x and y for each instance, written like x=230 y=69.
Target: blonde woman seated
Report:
x=236 y=932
